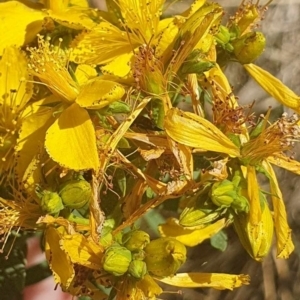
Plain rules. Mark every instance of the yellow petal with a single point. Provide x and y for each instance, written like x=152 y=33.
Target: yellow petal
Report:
x=82 y=3
x=194 y=131
x=142 y=17
x=192 y=31
x=84 y=73
x=285 y=162
x=284 y=241
x=167 y=31
x=102 y=44
x=31 y=138
x=187 y=236
x=197 y=4
x=253 y=193
x=58 y=260
x=74 y=17
x=82 y=251
x=57 y=5
x=98 y=93
x=211 y=280
x=274 y=87
x=149 y=287
x=71 y=140
x=13 y=76
x=120 y=66
x=19 y=24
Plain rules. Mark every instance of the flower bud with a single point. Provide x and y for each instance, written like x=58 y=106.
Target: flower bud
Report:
x=199 y=216
x=51 y=202
x=223 y=38
x=223 y=193
x=164 y=256
x=75 y=193
x=137 y=269
x=136 y=240
x=194 y=63
x=116 y=260
x=256 y=239
x=249 y=47
x=240 y=203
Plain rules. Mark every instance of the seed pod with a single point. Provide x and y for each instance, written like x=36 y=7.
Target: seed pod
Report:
x=51 y=203
x=256 y=239
x=116 y=260
x=249 y=47
x=75 y=193
x=137 y=269
x=223 y=193
x=136 y=240
x=164 y=256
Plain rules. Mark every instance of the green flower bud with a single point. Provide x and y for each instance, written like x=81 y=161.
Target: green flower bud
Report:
x=51 y=203
x=195 y=64
x=75 y=193
x=240 y=203
x=116 y=260
x=164 y=256
x=249 y=47
x=136 y=240
x=137 y=269
x=223 y=38
x=199 y=216
x=223 y=193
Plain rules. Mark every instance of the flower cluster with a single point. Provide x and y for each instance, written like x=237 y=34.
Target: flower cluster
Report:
x=93 y=136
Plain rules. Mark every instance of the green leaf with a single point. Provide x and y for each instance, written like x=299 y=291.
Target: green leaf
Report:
x=219 y=241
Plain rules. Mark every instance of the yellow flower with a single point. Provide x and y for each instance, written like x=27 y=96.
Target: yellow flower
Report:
x=15 y=92
x=71 y=140
x=106 y=42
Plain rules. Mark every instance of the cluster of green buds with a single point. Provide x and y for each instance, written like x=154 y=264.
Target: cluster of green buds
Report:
x=136 y=256
x=208 y=207
x=228 y=193
x=128 y=255
x=237 y=41
x=72 y=194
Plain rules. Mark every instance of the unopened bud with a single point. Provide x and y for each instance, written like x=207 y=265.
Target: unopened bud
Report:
x=75 y=193
x=51 y=202
x=223 y=193
x=137 y=269
x=116 y=260
x=164 y=256
x=136 y=240
x=249 y=47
